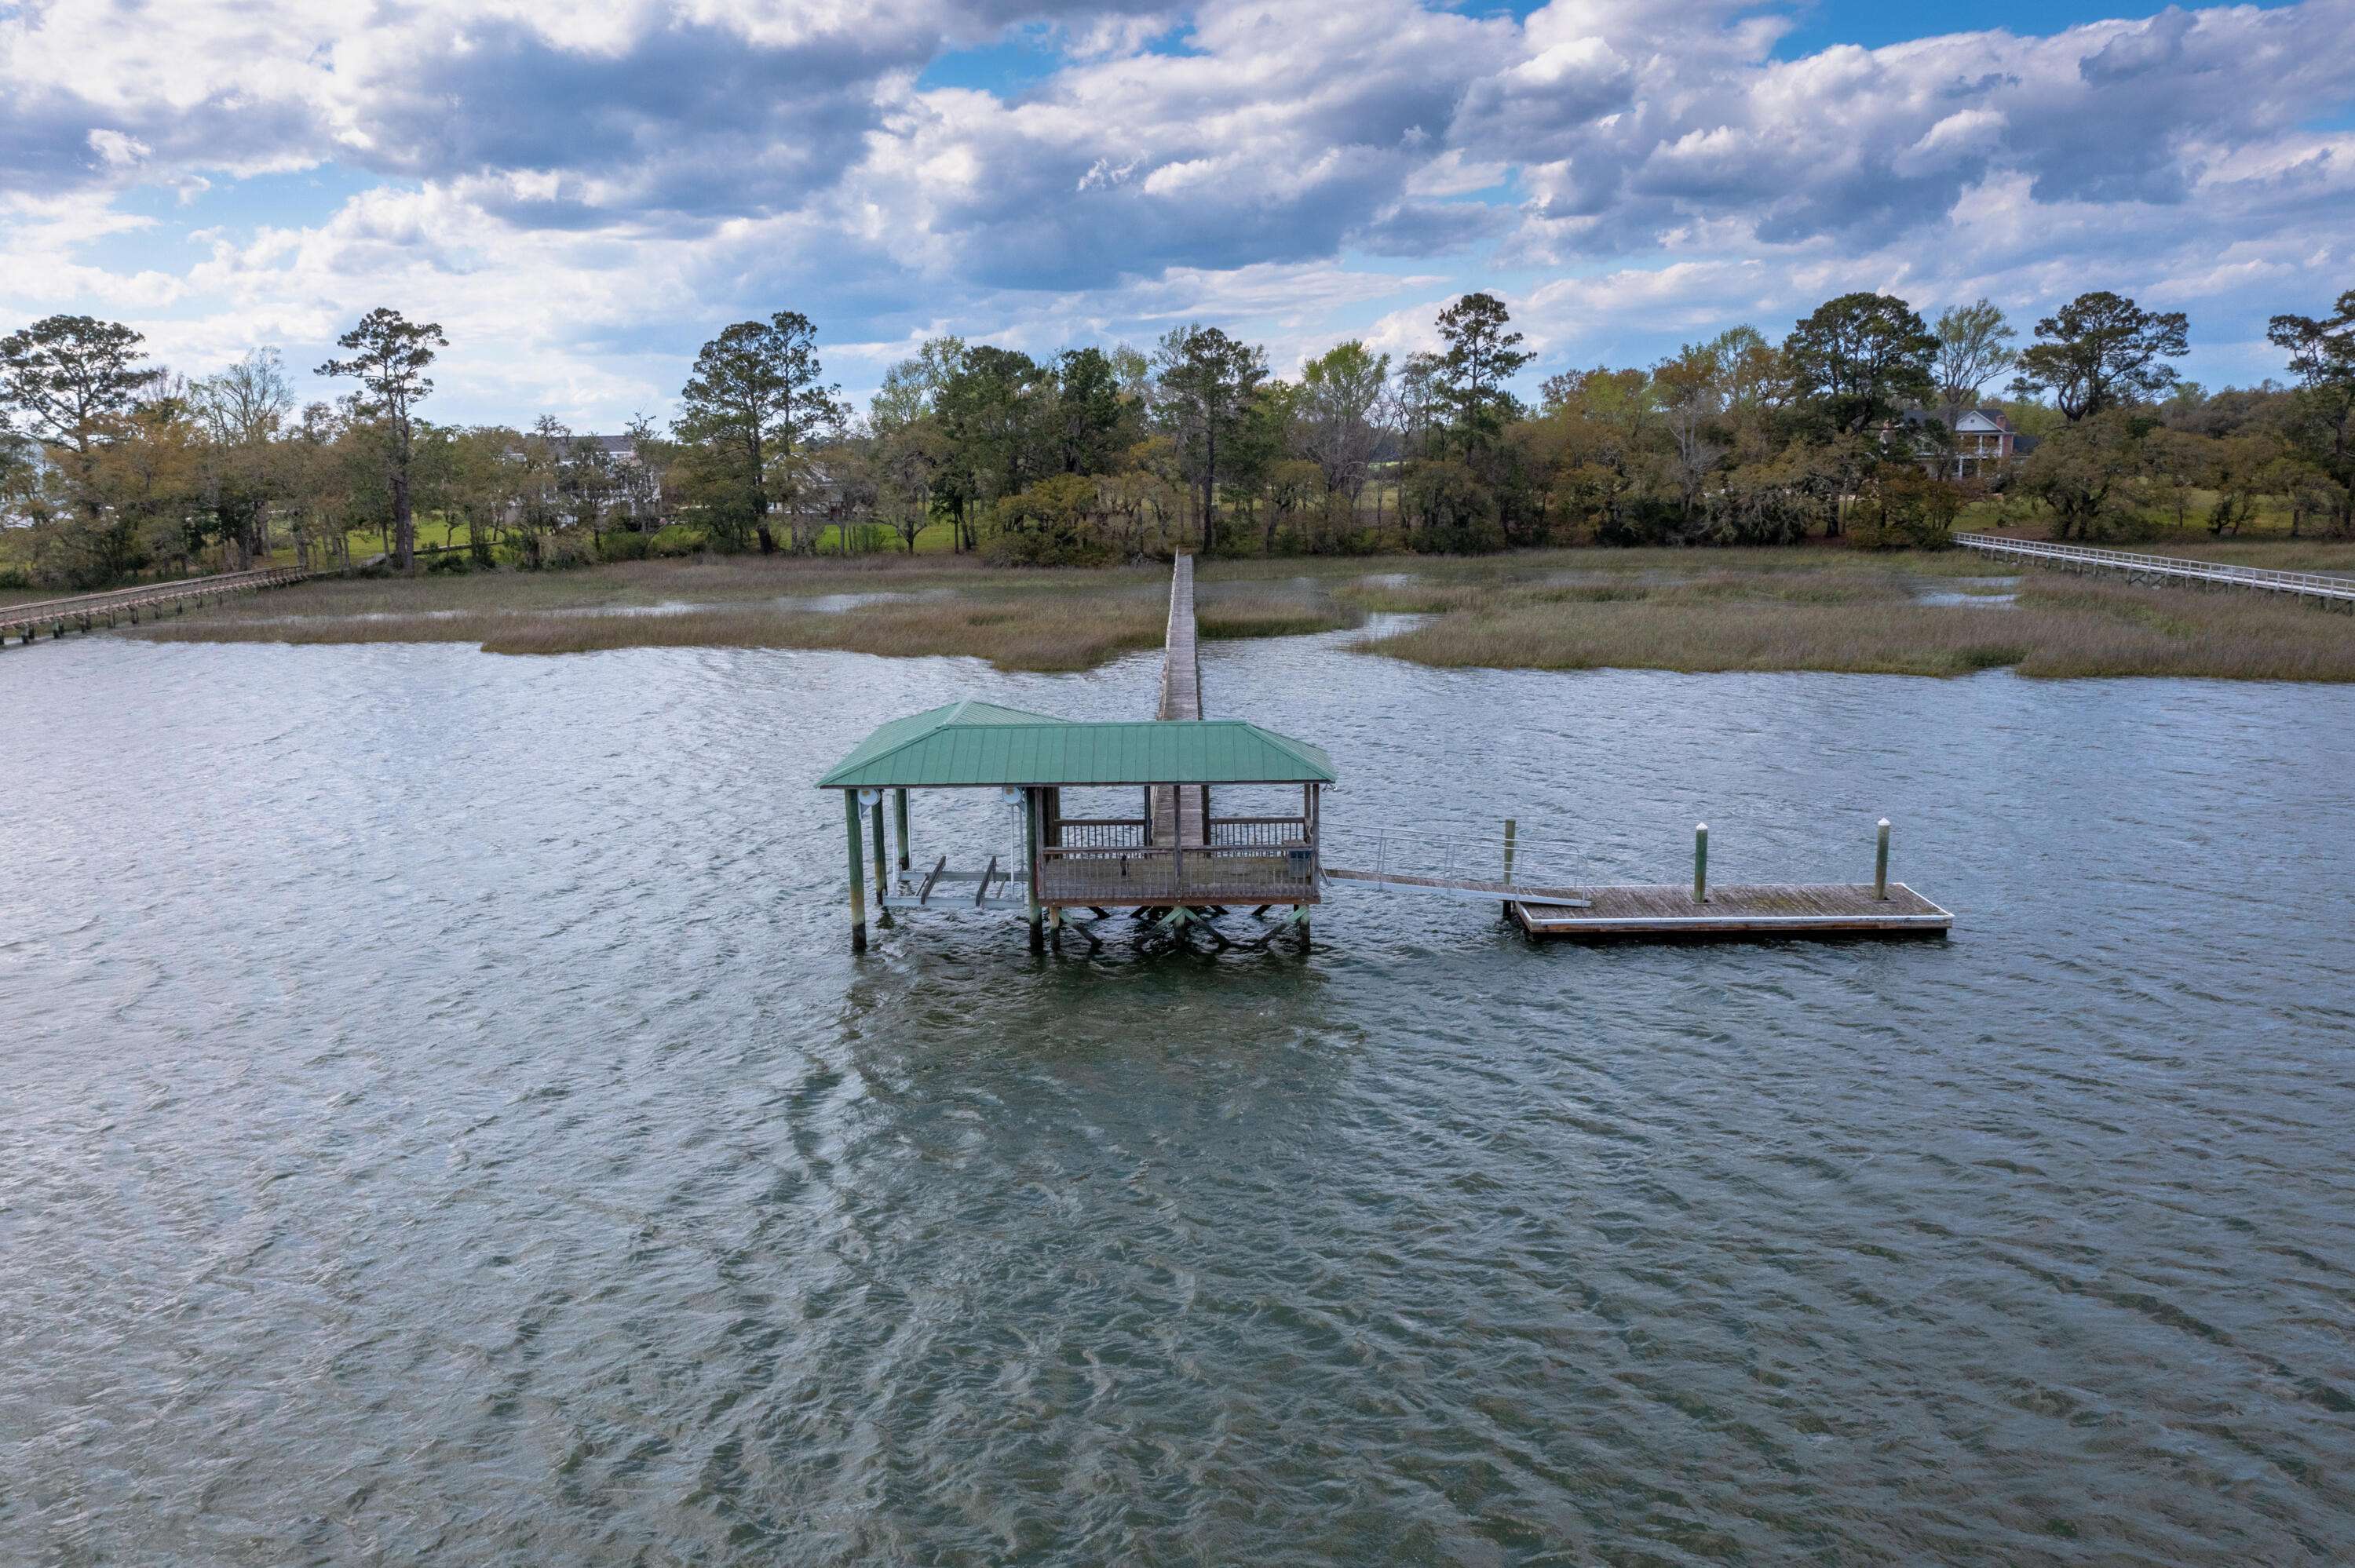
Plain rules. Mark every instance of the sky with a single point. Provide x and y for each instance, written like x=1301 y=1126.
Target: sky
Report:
x=583 y=194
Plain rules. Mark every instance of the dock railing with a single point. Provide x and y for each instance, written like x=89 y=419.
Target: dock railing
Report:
x=1268 y=860
x=2182 y=568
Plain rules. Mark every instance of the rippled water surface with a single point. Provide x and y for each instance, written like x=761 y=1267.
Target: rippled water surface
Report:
x=442 y=1122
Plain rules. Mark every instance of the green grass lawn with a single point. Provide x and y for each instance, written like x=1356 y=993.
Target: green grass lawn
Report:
x=2022 y=518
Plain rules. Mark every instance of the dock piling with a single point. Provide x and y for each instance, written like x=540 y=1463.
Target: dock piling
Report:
x=1508 y=865
x=1881 y=865
x=899 y=810
x=881 y=853
x=1700 y=863
x=1031 y=808
x=857 y=873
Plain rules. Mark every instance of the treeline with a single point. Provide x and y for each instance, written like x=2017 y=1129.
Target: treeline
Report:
x=110 y=465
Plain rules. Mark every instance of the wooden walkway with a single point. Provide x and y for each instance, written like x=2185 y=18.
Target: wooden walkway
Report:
x=2322 y=587
x=1738 y=913
x=85 y=612
x=1178 y=811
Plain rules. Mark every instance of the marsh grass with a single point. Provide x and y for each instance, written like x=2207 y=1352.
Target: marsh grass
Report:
x=1725 y=622
x=1810 y=608
x=1071 y=622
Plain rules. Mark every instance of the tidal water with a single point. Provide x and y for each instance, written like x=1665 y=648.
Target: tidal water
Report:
x=441 y=1120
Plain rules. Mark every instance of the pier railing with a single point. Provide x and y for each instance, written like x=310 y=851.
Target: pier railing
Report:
x=1220 y=833
x=84 y=611
x=1263 y=860
x=2181 y=568
x=1257 y=833
x=1176 y=874
x=1101 y=832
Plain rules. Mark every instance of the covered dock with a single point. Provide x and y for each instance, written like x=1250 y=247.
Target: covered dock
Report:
x=1098 y=862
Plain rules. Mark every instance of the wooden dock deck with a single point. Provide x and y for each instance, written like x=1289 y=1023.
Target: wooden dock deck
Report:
x=1178 y=811
x=1738 y=913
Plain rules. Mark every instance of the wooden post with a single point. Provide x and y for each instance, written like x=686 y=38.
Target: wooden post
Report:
x=1030 y=821
x=1881 y=864
x=900 y=810
x=1508 y=865
x=881 y=852
x=1700 y=863
x=857 y=873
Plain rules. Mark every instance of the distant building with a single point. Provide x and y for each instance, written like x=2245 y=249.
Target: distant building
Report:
x=642 y=491
x=1984 y=443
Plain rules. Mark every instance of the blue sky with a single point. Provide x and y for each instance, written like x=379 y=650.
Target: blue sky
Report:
x=583 y=194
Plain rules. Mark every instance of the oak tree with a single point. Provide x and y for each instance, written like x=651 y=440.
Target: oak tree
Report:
x=2101 y=351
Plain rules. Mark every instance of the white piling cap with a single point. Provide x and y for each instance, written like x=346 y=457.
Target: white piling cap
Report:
x=1884 y=821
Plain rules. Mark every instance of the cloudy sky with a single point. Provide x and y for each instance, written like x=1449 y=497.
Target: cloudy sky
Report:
x=582 y=193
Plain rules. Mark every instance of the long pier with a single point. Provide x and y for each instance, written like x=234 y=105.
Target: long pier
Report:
x=2322 y=587
x=1177 y=811
x=83 y=612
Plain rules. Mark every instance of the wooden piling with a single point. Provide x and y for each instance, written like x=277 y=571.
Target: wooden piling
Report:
x=881 y=855
x=899 y=810
x=1508 y=865
x=1881 y=864
x=1030 y=882
x=1700 y=863
x=857 y=873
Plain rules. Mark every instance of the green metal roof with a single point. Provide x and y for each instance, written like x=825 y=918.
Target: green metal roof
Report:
x=958 y=746
x=915 y=726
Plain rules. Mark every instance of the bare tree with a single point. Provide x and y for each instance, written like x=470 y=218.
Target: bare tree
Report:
x=242 y=411
x=1973 y=347
x=1691 y=389
x=1341 y=394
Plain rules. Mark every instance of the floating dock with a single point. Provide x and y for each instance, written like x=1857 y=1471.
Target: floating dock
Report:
x=1736 y=912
